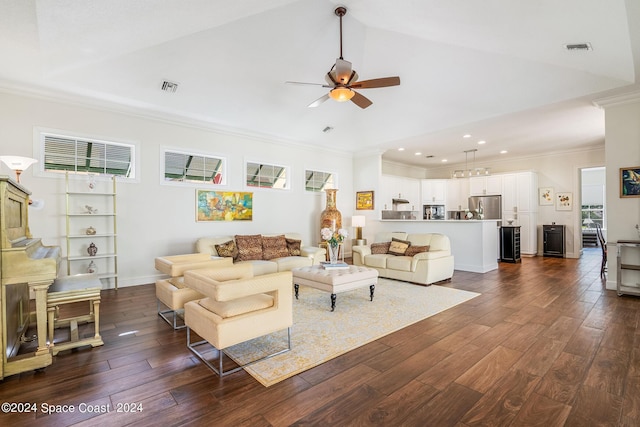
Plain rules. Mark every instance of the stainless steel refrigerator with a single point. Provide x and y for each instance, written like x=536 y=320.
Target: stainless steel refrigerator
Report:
x=490 y=206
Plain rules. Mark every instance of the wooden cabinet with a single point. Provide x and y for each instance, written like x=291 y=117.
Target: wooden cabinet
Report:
x=628 y=267
x=91 y=228
x=434 y=191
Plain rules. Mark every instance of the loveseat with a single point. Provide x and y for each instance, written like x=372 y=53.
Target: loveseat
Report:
x=417 y=258
x=268 y=253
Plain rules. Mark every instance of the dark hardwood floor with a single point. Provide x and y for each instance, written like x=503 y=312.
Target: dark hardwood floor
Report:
x=545 y=344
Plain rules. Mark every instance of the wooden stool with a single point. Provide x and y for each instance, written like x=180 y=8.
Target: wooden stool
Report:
x=59 y=297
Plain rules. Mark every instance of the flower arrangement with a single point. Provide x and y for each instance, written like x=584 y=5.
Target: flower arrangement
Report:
x=333 y=238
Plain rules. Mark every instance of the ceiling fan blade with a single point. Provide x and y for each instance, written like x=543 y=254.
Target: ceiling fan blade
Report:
x=373 y=83
x=318 y=101
x=343 y=71
x=360 y=100
x=304 y=83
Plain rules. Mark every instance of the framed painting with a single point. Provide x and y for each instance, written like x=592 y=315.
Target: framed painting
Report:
x=564 y=201
x=223 y=206
x=630 y=182
x=364 y=200
x=545 y=196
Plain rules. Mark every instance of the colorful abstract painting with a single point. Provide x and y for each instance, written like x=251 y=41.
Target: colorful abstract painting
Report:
x=223 y=206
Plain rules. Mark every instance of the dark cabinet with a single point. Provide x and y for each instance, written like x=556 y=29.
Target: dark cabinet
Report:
x=553 y=240
x=510 y=244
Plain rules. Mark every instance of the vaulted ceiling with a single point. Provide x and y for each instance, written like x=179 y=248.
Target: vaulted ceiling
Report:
x=496 y=69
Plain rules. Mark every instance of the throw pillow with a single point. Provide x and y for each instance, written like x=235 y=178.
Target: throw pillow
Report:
x=227 y=249
x=380 y=248
x=294 y=247
x=398 y=247
x=249 y=247
x=413 y=250
x=274 y=247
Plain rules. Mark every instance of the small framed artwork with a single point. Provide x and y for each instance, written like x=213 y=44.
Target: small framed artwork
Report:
x=364 y=200
x=564 y=201
x=545 y=196
x=223 y=206
x=630 y=182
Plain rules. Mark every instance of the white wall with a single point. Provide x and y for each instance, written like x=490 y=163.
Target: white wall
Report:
x=622 y=128
x=155 y=219
x=593 y=186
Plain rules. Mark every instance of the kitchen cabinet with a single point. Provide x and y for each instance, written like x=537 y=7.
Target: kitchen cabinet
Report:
x=519 y=203
x=433 y=191
x=457 y=196
x=398 y=187
x=485 y=185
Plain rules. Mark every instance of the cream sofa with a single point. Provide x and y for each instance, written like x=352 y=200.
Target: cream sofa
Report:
x=423 y=268
x=309 y=255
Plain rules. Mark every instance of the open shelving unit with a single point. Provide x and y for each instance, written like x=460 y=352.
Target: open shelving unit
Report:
x=92 y=204
x=628 y=262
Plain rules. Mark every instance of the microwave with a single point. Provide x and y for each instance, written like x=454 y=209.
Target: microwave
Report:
x=433 y=212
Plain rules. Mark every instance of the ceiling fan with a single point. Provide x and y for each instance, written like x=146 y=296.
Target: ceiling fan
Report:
x=342 y=79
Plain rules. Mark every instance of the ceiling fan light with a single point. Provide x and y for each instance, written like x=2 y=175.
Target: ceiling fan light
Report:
x=341 y=94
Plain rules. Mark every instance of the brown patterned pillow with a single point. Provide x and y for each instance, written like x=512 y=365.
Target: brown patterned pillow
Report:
x=294 y=247
x=274 y=247
x=249 y=247
x=398 y=247
x=227 y=249
x=380 y=248
x=413 y=250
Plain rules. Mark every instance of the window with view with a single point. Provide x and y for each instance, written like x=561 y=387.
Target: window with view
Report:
x=592 y=215
x=266 y=176
x=194 y=168
x=83 y=155
x=318 y=181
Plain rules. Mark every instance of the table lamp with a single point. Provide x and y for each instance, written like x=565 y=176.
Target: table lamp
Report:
x=357 y=221
x=17 y=163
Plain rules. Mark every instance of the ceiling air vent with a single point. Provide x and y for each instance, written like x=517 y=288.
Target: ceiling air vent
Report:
x=577 y=47
x=170 y=87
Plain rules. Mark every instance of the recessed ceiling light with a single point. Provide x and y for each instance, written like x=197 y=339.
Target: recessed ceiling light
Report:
x=418 y=154
x=503 y=152
x=444 y=160
x=466 y=135
x=482 y=142
x=401 y=149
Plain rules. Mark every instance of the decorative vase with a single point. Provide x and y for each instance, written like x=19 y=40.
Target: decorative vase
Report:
x=333 y=253
x=92 y=267
x=92 y=249
x=331 y=217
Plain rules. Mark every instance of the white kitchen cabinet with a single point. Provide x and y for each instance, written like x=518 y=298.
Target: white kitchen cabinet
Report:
x=434 y=191
x=485 y=185
x=398 y=187
x=457 y=196
x=519 y=202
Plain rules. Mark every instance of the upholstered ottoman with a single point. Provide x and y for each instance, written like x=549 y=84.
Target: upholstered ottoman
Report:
x=335 y=281
x=172 y=292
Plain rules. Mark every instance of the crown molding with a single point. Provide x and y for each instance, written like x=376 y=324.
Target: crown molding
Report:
x=616 y=100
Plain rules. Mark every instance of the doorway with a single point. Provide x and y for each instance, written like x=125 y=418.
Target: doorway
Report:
x=593 y=205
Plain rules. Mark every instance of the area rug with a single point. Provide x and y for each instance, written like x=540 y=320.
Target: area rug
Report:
x=319 y=335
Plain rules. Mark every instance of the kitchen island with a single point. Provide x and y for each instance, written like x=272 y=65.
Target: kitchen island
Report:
x=475 y=244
